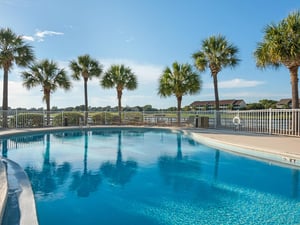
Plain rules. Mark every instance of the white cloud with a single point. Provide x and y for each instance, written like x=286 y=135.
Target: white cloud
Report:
x=28 y=38
x=146 y=73
x=40 y=35
x=19 y=96
x=236 y=83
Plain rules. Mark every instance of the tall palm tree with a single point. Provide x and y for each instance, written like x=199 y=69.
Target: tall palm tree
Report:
x=13 y=50
x=281 y=46
x=47 y=74
x=179 y=80
x=119 y=77
x=87 y=68
x=216 y=53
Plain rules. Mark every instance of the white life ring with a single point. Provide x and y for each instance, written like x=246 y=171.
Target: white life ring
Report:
x=236 y=120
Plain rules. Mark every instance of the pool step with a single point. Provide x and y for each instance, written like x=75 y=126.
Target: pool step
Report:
x=20 y=206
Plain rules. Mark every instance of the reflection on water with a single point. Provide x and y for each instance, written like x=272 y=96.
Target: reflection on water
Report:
x=135 y=177
x=178 y=171
x=120 y=172
x=88 y=181
x=46 y=180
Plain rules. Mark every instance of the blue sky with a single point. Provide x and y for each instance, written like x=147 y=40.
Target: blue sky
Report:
x=147 y=36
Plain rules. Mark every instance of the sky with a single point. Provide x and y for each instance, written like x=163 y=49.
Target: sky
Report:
x=147 y=36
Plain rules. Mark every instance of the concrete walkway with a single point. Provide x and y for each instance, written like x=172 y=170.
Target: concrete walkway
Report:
x=287 y=149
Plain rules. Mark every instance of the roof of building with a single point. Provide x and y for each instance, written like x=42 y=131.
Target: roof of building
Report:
x=221 y=102
x=284 y=101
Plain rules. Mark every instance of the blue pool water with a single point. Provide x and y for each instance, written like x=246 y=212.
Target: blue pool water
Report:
x=136 y=176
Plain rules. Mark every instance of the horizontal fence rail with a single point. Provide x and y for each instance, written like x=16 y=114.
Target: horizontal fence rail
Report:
x=269 y=121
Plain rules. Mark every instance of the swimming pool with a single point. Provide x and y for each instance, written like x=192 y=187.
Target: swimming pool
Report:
x=147 y=176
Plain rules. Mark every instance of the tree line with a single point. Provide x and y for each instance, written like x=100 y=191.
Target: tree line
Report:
x=280 y=46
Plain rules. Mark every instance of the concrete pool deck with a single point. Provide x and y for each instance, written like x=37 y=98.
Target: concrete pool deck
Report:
x=282 y=149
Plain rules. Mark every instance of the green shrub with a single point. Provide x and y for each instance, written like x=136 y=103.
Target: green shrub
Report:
x=27 y=120
x=68 y=119
x=102 y=118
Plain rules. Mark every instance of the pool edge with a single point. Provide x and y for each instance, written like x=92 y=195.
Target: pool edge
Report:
x=3 y=188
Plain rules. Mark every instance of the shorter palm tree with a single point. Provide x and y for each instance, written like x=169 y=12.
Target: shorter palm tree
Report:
x=48 y=75
x=87 y=68
x=119 y=77
x=179 y=80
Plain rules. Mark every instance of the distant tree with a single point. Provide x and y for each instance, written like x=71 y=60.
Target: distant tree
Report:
x=54 y=108
x=179 y=80
x=69 y=109
x=120 y=78
x=281 y=46
x=87 y=68
x=147 y=108
x=186 y=108
x=254 y=106
x=80 y=108
x=13 y=50
x=230 y=107
x=48 y=75
x=268 y=103
x=216 y=53
x=172 y=109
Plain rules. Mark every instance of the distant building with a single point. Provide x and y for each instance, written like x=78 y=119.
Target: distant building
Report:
x=285 y=103
x=231 y=104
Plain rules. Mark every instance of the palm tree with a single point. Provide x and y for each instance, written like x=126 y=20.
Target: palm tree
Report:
x=87 y=68
x=119 y=77
x=281 y=46
x=47 y=74
x=179 y=80
x=12 y=50
x=216 y=53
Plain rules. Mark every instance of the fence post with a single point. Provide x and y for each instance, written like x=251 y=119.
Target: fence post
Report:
x=215 y=120
x=270 y=120
x=16 y=120
x=62 y=118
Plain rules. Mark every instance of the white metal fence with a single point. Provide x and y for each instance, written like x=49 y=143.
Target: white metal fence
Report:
x=270 y=121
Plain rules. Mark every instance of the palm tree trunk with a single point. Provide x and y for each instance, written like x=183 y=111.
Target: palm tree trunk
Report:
x=47 y=97
x=217 y=102
x=120 y=105
x=295 y=96
x=294 y=83
x=179 y=100
x=85 y=101
x=5 y=99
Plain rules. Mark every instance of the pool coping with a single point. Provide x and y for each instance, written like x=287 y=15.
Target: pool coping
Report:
x=24 y=192
x=206 y=136
x=3 y=188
